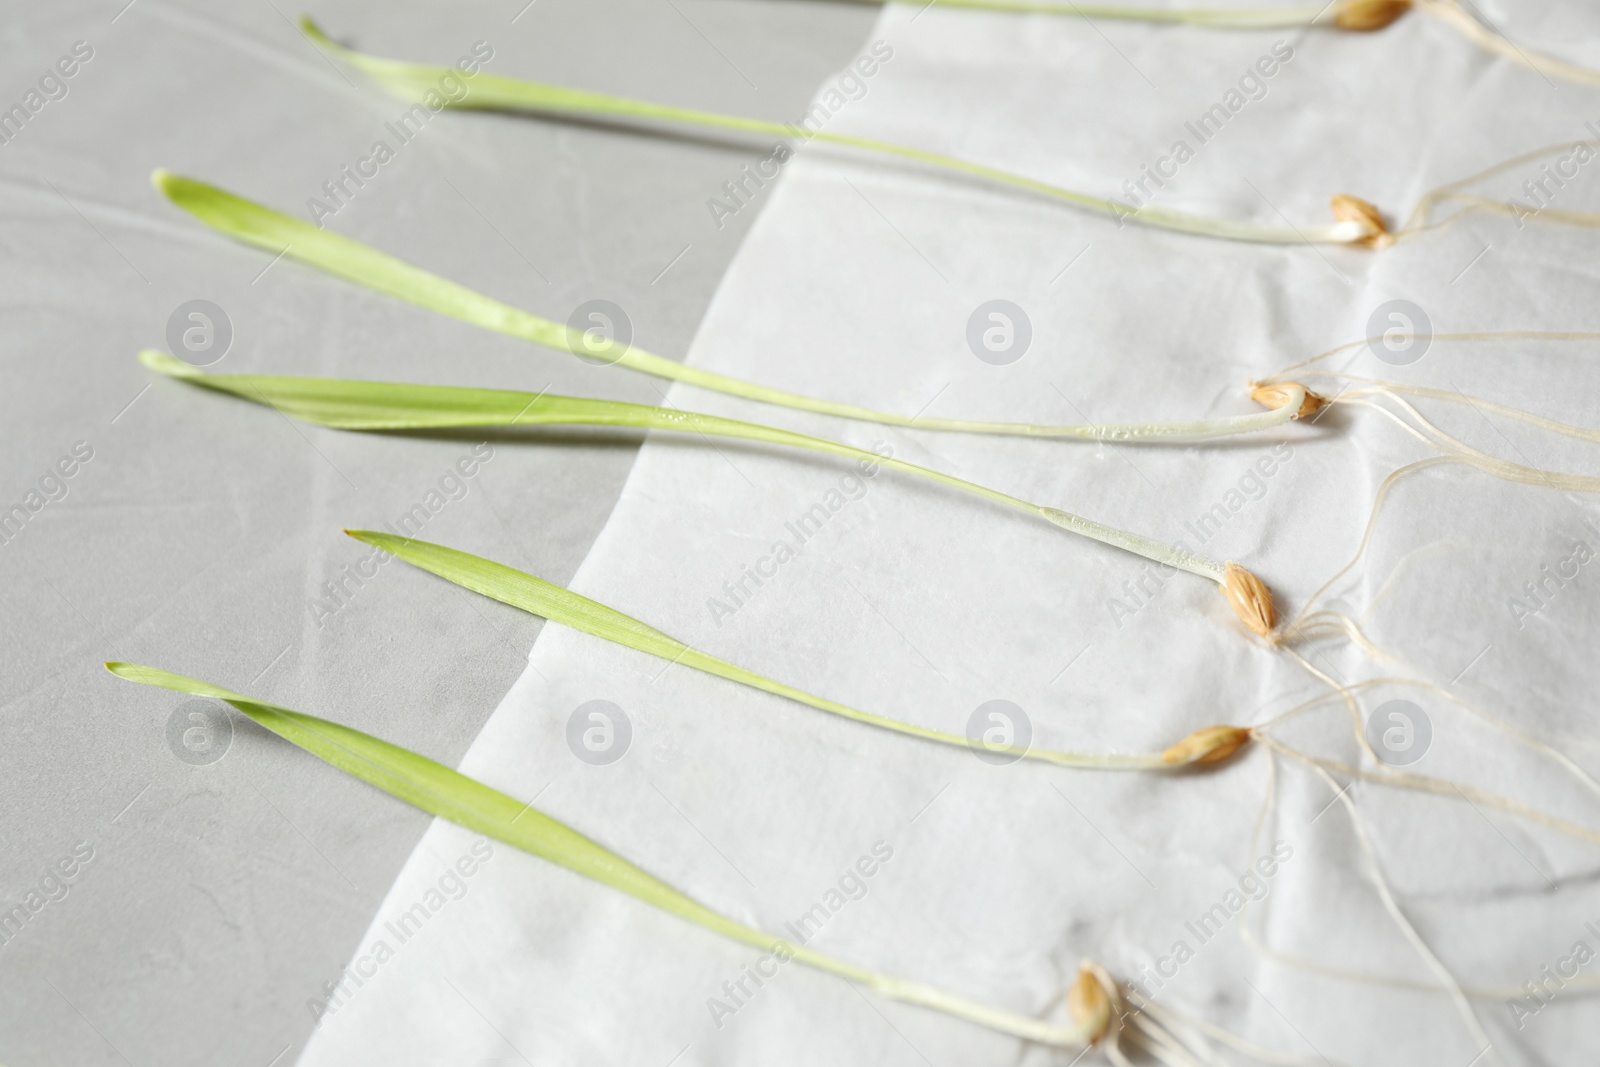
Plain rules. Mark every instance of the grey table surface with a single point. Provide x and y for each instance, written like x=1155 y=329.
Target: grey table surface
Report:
x=206 y=902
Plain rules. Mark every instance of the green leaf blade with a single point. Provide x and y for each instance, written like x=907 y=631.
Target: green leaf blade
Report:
x=549 y=601
x=358 y=405
x=453 y=796
x=450 y=795
x=265 y=228
x=499 y=92
x=526 y=592
x=486 y=91
x=273 y=231
x=378 y=405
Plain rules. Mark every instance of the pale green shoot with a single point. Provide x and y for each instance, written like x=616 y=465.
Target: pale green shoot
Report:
x=1276 y=17
x=450 y=795
x=539 y=597
x=280 y=234
x=496 y=92
x=1360 y=16
x=1356 y=15
x=357 y=405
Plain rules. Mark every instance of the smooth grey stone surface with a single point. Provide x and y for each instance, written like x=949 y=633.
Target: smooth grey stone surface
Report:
x=194 y=881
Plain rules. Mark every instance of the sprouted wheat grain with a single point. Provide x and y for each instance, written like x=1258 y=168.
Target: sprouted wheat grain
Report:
x=262 y=227
x=1092 y=1002
x=385 y=406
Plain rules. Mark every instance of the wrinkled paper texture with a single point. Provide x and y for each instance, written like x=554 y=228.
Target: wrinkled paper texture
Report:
x=901 y=597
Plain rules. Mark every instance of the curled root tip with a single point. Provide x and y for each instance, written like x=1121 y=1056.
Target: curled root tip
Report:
x=1360 y=222
x=1364 y=16
x=1250 y=599
x=1274 y=395
x=1210 y=744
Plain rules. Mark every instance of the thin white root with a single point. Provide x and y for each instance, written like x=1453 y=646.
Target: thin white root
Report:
x=1392 y=906
x=1453 y=13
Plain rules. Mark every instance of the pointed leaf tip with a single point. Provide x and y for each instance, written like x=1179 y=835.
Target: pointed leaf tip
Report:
x=133 y=672
x=167 y=364
x=174 y=187
x=138 y=672
x=376 y=538
x=182 y=189
x=164 y=679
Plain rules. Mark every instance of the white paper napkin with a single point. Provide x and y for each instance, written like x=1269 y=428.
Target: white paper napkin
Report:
x=858 y=283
